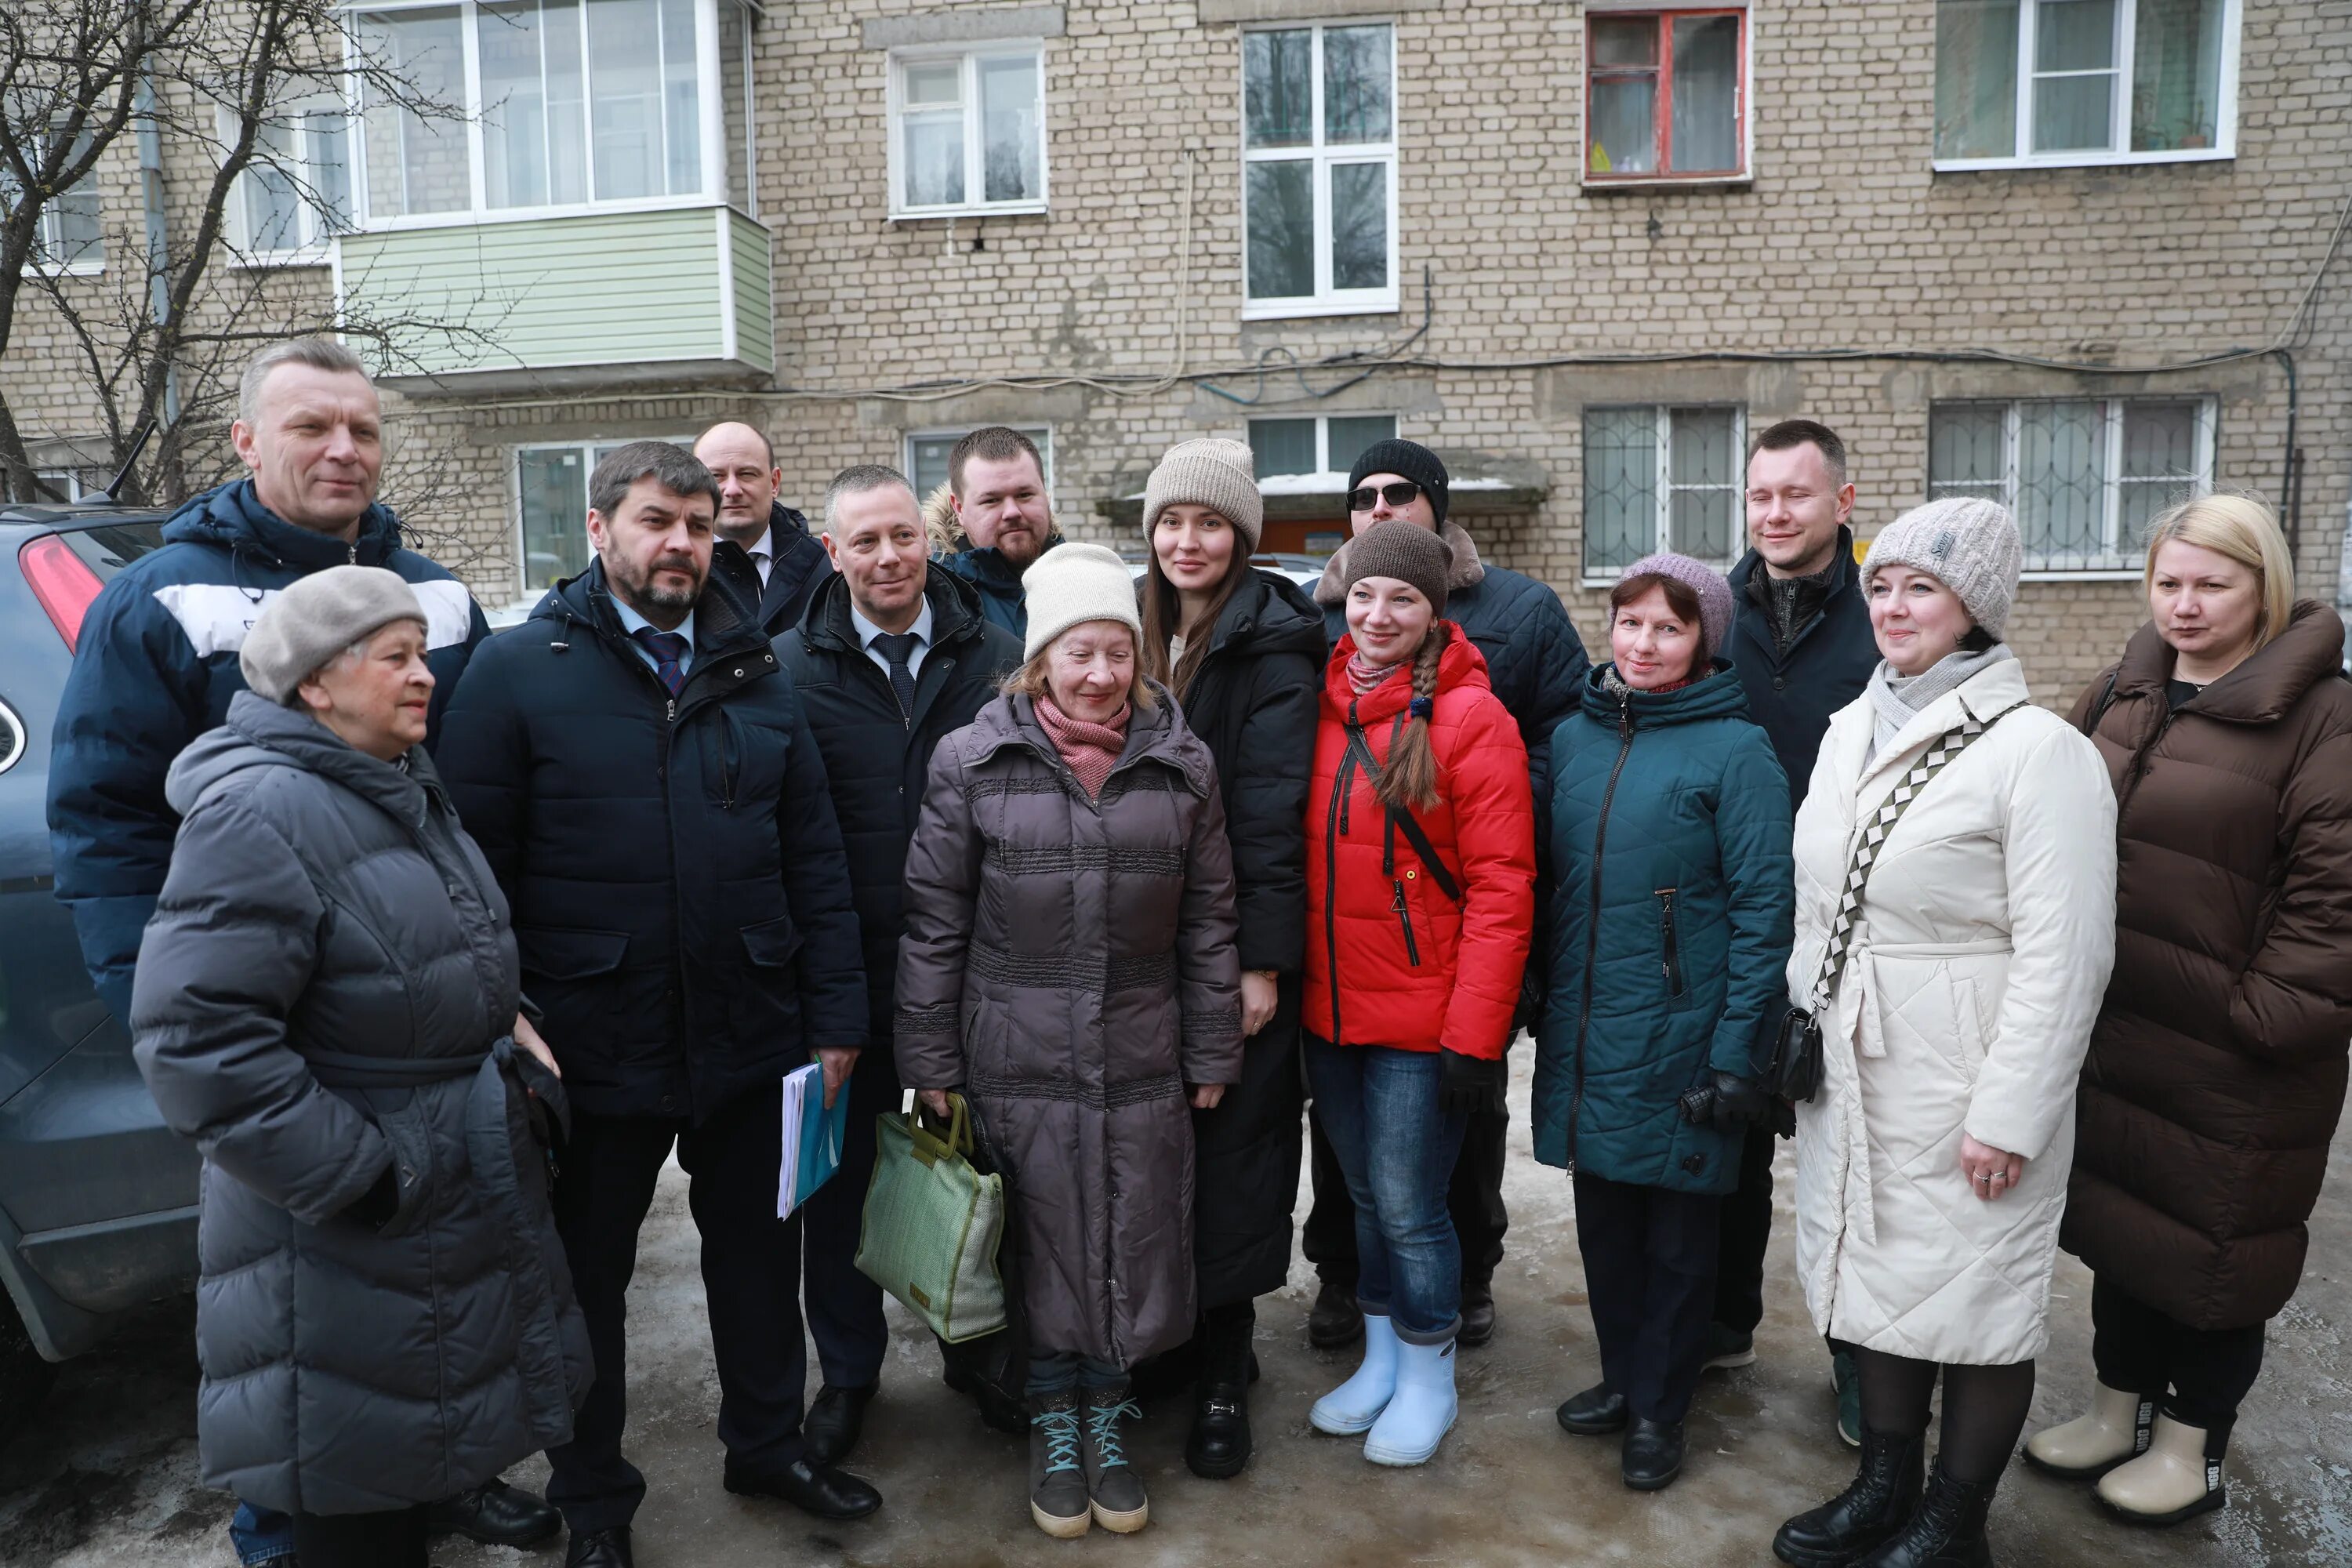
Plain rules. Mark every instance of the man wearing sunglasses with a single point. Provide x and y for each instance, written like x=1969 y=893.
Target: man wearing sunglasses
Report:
x=1536 y=664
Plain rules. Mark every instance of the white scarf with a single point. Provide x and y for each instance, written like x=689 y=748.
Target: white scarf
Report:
x=1896 y=699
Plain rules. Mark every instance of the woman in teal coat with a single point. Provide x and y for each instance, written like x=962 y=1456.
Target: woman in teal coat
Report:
x=1668 y=838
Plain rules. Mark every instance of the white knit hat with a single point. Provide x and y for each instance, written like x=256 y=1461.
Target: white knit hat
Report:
x=1967 y=543
x=1072 y=583
x=1218 y=474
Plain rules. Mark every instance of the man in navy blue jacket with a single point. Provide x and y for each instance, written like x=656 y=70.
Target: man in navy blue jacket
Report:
x=639 y=772
x=792 y=561
x=156 y=664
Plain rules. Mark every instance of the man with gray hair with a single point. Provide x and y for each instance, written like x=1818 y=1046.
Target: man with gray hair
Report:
x=155 y=665
x=891 y=657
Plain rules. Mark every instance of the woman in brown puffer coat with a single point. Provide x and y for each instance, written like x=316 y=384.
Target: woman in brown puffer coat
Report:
x=1069 y=965
x=2217 y=1070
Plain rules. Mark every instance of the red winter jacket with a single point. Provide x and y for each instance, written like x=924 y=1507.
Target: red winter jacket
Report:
x=1391 y=959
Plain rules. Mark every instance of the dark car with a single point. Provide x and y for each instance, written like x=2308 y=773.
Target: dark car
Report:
x=97 y=1198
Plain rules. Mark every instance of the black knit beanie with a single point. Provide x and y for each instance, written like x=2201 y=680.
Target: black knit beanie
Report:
x=1404 y=550
x=1410 y=459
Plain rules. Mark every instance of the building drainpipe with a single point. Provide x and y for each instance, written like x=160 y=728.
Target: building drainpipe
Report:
x=151 y=191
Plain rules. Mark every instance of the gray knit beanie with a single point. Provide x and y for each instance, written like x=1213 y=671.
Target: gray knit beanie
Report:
x=1218 y=474
x=1404 y=550
x=1967 y=543
x=1708 y=585
x=318 y=616
x=1074 y=582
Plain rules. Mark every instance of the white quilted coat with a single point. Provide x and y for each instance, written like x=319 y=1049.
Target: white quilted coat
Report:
x=1987 y=931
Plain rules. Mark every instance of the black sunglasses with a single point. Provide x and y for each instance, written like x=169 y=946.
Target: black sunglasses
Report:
x=1399 y=494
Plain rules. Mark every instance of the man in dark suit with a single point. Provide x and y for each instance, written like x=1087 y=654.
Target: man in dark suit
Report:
x=791 y=562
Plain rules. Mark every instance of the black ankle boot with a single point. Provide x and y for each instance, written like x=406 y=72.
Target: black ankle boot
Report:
x=1881 y=1498
x=1947 y=1530
x=1219 y=1445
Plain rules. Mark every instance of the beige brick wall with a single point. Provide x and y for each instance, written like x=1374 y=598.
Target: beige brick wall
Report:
x=1846 y=260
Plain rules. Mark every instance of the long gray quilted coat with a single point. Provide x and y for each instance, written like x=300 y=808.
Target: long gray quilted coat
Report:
x=1070 y=964
x=323 y=993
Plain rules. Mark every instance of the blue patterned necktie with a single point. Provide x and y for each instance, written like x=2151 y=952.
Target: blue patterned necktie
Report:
x=667 y=649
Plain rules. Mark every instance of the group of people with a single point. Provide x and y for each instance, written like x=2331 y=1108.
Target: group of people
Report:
x=440 y=944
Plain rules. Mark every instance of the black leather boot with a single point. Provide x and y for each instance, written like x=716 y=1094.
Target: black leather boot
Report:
x=1947 y=1530
x=1867 y=1513
x=1219 y=1445
x=1334 y=1320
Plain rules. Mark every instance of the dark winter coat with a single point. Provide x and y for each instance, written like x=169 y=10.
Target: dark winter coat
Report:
x=2215 y=1074
x=1671 y=924
x=681 y=902
x=1069 y=964
x=1792 y=695
x=996 y=579
x=323 y=999
x=876 y=759
x=797 y=566
x=156 y=665
x=1254 y=700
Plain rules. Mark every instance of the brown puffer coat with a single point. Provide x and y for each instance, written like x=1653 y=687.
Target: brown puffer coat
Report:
x=1070 y=965
x=2217 y=1070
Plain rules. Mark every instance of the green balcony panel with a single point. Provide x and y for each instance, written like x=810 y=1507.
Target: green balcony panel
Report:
x=620 y=299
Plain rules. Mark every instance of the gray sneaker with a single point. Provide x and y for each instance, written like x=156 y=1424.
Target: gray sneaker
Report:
x=1057 y=1479
x=1117 y=1490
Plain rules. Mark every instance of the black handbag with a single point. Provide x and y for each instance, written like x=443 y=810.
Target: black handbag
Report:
x=1794 y=1072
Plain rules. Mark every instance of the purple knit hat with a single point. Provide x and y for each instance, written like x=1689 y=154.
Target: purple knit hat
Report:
x=1708 y=585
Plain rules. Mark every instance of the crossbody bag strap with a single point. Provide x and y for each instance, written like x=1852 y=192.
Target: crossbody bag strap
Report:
x=1874 y=834
x=1402 y=821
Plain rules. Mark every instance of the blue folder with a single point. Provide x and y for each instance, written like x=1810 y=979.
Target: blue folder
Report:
x=814 y=1136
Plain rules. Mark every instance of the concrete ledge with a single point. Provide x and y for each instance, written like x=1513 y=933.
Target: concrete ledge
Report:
x=964 y=26
x=1213 y=12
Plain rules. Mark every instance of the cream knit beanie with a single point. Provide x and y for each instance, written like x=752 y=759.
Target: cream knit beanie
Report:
x=1074 y=582
x=1967 y=543
x=1217 y=474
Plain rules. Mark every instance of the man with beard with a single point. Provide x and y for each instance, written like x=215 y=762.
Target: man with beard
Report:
x=791 y=564
x=639 y=774
x=1002 y=518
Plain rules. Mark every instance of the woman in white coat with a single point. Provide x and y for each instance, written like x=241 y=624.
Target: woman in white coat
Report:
x=1931 y=1166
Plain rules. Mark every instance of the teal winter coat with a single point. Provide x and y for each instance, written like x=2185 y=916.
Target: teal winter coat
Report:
x=1668 y=836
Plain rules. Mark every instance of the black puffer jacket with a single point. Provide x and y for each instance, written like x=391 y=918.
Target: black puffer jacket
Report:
x=321 y=999
x=1253 y=701
x=1793 y=694
x=877 y=759
x=680 y=897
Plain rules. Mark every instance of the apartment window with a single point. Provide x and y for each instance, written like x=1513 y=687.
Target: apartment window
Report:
x=927 y=454
x=1321 y=446
x=1318 y=172
x=2021 y=82
x=1666 y=95
x=575 y=104
x=298 y=191
x=68 y=237
x=968 y=131
x=1661 y=478
x=552 y=507
x=2085 y=476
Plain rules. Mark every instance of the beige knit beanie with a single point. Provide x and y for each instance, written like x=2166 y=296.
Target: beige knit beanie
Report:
x=1967 y=543
x=1218 y=474
x=317 y=618
x=1074 y=582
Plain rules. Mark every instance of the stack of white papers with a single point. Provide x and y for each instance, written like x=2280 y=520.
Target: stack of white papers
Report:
x=810 y=1148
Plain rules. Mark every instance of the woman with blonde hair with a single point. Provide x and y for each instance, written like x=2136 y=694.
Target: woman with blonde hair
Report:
x=2217 y=1070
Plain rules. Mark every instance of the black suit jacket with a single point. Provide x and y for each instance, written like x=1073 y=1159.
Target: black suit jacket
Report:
x=799 y=564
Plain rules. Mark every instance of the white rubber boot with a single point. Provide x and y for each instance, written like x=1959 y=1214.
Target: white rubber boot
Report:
x=1422 y=1411
x=2114 y=1429
x=2178 y=1477
x=1355 y=1405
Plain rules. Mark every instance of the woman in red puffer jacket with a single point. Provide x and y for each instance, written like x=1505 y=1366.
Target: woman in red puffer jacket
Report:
x=1420 y=901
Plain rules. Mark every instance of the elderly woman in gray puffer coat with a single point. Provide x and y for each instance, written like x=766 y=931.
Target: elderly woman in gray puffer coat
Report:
x=327 y=1002
x=1069 y=965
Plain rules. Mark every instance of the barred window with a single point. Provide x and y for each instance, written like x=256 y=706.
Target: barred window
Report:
x=1659 y=477
x=2084 y=476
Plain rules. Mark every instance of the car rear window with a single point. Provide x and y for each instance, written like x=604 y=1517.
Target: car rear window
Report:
x=109 y=547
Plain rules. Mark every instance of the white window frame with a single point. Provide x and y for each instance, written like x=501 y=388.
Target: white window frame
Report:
x=2225 y=129
x=1662 y=538
x=975 y=147
x=315 y=238
x=1713 y=179
x=710 y=129
x=587 y=451
x=1322 y=435
x=1041 y=434
x=1325 y=301
x=2126 y=567
x=48 y=239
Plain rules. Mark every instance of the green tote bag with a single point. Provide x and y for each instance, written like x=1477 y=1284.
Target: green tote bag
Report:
x=932 y=1225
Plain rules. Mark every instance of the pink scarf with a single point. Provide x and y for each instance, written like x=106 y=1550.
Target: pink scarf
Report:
x=1091 y=749
x=1363 y=674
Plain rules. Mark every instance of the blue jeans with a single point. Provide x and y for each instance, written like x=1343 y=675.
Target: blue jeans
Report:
x=1379 y=1107
x=259 y=1535
x=1058 y=1371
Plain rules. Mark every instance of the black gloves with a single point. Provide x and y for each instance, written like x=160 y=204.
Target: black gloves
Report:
x=1468 y=1085
x=1727 y=1103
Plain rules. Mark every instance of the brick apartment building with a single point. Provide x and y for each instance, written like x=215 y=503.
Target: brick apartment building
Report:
x=2063 y=252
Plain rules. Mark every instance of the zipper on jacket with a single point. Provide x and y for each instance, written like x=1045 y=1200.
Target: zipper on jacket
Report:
x=1666 y=897
x=1404 y=919
x=2141 y=760
x=1592 y=923
x=1335 y=826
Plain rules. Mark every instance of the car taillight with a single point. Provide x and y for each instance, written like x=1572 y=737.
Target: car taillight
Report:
x=62 y=582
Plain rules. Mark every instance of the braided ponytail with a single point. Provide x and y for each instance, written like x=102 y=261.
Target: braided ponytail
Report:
x=1408 y=778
